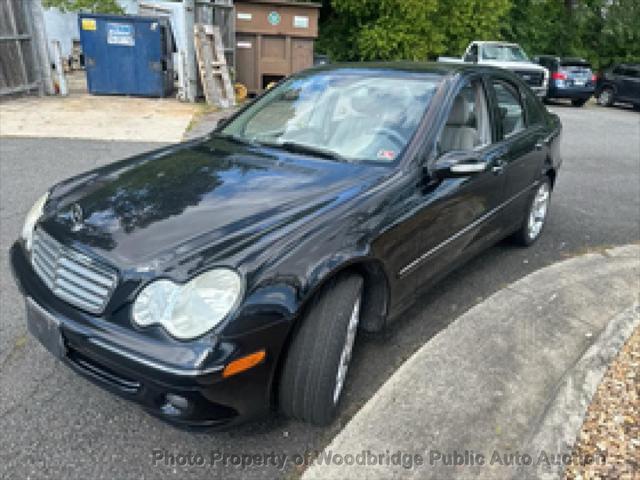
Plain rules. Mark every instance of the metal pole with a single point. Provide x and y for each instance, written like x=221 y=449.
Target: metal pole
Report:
x=190 y=72
x=39 y=39
x=62 y=80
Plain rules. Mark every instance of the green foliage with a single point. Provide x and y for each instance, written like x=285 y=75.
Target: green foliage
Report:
x=406 y=29
x=603 y=31
x=92 y=6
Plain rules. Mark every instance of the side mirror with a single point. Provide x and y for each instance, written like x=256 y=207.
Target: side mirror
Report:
x=458 y=164
x=222 y=122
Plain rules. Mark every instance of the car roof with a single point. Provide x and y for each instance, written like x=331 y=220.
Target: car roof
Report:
x=495 y=42
x=574 y=59
x=433 y=68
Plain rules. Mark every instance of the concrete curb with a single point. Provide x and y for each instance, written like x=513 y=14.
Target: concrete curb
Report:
x=559 y=426
x=512 y=376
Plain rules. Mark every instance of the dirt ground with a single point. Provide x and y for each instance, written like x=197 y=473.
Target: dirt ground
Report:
x=84 y=116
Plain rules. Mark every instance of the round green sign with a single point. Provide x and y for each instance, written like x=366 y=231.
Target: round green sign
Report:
x=274 y=18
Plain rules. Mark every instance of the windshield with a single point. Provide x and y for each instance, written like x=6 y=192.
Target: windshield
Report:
x=504 y=53
x=342 y=115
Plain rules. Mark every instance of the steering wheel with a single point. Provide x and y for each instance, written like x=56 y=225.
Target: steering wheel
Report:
x=393 y=135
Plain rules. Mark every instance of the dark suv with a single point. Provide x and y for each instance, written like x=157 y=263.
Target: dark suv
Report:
x=569 y=78
x=619 y=84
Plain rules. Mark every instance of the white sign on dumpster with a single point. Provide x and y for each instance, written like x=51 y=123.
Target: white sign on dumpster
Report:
x=121 y=34
x=300 y=22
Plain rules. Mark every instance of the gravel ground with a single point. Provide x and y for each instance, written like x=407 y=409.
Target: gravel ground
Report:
x=611 y=430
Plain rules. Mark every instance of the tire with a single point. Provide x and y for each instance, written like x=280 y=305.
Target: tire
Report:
x=310 y=388
x=606 y=97
x=531 y=229
x=578 y=102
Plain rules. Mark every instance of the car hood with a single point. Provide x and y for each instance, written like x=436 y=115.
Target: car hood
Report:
x=213 y=194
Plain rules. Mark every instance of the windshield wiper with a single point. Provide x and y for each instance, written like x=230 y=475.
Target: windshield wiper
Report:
x=295 y=147
x=236 y=138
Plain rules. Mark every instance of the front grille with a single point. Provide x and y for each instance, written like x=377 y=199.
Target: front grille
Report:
x=532 y=78
x=72 y=276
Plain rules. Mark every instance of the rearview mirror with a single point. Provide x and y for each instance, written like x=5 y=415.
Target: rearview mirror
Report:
x=457 y=164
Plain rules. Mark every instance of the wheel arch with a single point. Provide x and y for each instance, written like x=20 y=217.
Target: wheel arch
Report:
x=374 y=307
x=552 y=174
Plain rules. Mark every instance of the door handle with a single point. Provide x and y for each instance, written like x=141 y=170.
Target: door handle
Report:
x=498 y=167
x=540 y=144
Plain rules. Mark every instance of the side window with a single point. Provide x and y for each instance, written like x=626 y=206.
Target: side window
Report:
x=472 y=54
x=534 y=110
x=633 y=72
x=510 y=111
x=468 y=125
x=619 y=70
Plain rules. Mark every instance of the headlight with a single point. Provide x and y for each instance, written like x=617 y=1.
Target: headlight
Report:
x=32 y=218
x=187 y=311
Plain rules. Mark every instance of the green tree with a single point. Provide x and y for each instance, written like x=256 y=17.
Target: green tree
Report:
x=407 y=29
x=92 y=6
x=462 y=21
x=540 y=26
x=618 y=39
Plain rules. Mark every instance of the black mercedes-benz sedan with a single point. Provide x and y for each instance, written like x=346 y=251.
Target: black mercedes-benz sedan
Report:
x=214 y=280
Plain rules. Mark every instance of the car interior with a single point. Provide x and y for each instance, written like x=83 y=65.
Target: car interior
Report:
x=510 y=108
x=468 y=125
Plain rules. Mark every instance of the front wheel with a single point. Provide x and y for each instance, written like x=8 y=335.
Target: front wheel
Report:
x=316 y=366
x=536 y=216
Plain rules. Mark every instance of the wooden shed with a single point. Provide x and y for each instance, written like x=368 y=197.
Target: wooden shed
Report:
x=274 y=38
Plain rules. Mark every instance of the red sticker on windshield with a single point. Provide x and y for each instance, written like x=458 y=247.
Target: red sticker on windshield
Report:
x=386 y=154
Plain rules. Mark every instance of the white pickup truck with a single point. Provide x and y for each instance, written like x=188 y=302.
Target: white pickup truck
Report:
x=506 y=55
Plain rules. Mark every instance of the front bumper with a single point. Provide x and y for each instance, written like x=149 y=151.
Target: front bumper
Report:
x=184 y=391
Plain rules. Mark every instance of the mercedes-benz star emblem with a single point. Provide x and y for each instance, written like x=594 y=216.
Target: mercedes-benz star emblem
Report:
x=77 y=216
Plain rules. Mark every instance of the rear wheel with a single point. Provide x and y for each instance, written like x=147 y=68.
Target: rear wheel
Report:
x=536 y=216
x=316 y=366
x=606 y=97
x=578 y=102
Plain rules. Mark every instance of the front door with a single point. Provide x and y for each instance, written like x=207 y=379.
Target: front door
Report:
x=630 y=84
x=458 y=216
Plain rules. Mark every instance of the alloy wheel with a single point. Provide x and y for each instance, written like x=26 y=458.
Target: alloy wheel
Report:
x=345 y=356
x=538 y=211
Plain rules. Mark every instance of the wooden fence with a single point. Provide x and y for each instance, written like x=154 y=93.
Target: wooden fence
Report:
x=21 y=64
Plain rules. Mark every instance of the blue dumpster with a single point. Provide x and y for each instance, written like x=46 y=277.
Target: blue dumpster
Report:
x=127 y=55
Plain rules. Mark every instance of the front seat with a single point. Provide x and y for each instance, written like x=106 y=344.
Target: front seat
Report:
x=457 y=134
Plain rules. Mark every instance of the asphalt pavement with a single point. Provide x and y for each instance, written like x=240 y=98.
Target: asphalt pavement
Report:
x=517 y=371
x=54 y=424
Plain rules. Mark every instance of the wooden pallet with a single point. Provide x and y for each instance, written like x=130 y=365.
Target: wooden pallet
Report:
x=212 y=64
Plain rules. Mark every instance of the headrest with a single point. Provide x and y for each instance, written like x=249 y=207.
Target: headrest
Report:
x=460 y=112
x=363 y=101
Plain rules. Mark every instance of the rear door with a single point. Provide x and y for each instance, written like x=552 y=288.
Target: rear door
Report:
x=630 y=84
x=521 y=134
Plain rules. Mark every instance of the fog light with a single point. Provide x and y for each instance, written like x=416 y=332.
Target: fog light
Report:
x=175 y=404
